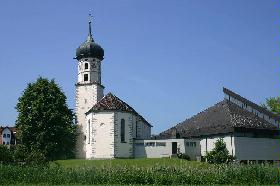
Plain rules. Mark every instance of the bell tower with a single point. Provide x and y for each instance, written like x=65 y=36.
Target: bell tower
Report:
x=89 y=89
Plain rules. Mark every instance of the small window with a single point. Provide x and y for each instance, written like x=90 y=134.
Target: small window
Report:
x=194 y=144
x=8 y=143
x=160 y=144
x=85 y=77
x=188 y=144
x=150 y=144
x=4 y=135
x=86 y=65
x=123 y=131
x=8 y=135
x=4 y=143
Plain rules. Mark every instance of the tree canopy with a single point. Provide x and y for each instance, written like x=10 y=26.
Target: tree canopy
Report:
x=45 y=124
x=272 y=104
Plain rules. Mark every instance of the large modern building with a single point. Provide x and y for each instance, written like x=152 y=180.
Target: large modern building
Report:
x=251 y=133
x=110 y=128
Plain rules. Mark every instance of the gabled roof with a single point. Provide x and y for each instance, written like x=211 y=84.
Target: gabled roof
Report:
x=111 y=102
x=250 y=103
x=223 y=117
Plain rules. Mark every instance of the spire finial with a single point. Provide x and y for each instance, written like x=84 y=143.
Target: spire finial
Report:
x=89 y=27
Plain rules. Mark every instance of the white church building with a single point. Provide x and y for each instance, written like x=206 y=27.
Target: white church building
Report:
x=107 y=125
x=110 y=128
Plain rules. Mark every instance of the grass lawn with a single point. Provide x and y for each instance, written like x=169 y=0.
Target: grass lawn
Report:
x=144 y=162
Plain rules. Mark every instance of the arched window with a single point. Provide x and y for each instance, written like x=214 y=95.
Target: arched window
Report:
x=88 y=131
x=85 y=77
x=123 y=131
x=86 y=65
x=4 y=135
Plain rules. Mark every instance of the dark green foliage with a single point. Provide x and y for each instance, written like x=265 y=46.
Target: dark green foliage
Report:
x=183 y=156
x=20 y=153
x=219 y=154
x=272 y=104
x=45 y=124
x=6 y=155
x=157 y=175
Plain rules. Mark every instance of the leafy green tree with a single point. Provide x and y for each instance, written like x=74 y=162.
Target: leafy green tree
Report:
x=272 y=104
x=219 y=154
x=45 y=123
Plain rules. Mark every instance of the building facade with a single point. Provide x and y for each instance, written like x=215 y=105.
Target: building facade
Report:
x=251 y=133
x=8 y=136
x=107 y=126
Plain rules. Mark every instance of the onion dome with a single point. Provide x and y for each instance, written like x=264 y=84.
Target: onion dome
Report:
x=89 y=48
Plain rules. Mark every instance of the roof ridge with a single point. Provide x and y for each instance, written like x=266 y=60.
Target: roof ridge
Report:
x=252 y=104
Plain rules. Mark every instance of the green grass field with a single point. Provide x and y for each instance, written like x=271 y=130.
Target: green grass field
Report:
x=141 y=163
x=163 y=171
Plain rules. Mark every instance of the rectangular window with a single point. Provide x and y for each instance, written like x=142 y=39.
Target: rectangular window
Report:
x=160 y=144
x=85 y=77
x=4 y=135
x=8 y=135
x=123 y=131
x=149 y=144
x=88 y=131
x=86 y=65
x=3 y=142
x=188 y=144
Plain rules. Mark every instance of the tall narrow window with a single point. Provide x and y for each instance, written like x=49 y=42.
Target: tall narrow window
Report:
x=88 y=131
x=85 y=77
x=122 y=130
x=86 y=65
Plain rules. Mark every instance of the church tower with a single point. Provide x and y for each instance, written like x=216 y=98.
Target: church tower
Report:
x=89 y=89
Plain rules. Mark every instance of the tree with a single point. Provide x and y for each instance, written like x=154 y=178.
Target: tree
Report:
x=219 y=154
x=45 y=123
x=272 y=104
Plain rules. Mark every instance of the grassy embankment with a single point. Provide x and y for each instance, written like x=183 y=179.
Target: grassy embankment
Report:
x=137 y=171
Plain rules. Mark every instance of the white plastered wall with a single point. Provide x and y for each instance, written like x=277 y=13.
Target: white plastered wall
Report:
x=124 y=149
x=208 y=144
x=101 y=135
x=143 y=151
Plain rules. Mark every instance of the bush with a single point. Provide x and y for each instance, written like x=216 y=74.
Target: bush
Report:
x=6 y=155
x=219 y=154
x=183 y=156
x=36 y=157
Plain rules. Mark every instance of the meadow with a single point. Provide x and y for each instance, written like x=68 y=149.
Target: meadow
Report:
x=163 y=171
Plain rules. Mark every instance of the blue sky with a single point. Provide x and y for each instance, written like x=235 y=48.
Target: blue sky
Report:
x=167 y=59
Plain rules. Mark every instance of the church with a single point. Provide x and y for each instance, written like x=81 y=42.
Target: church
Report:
x=109 y=128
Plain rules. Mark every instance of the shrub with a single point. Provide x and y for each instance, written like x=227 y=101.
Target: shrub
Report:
x=183 y=156
x=6 y=155
x=219 y=154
